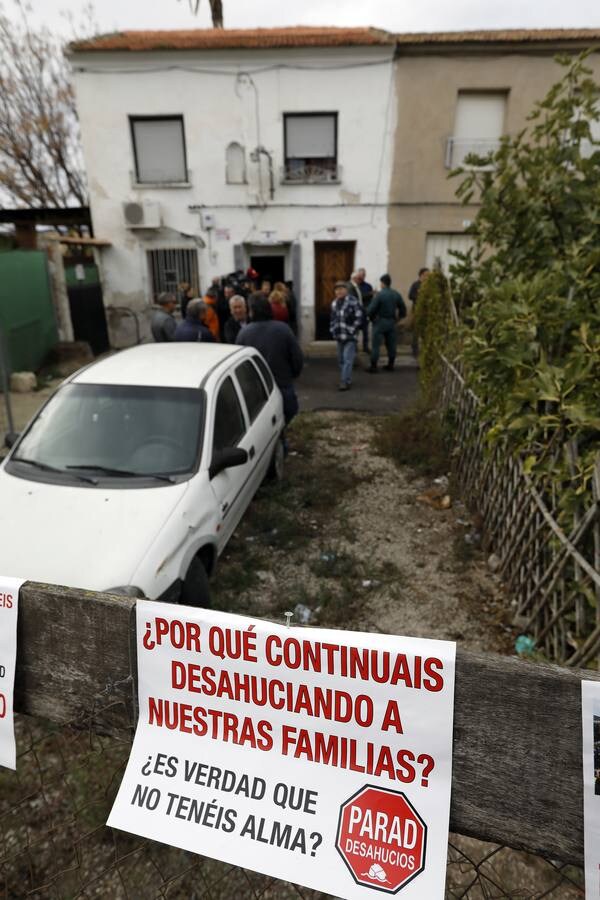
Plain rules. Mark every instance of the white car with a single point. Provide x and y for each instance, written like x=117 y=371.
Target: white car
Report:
x=133 y=476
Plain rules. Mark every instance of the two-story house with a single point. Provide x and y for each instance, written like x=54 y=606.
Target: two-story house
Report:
x=300 y=152
x=211 y=151
x=458 y=93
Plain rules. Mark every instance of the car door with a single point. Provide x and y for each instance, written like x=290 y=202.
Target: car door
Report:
x=261 y=434
x=229 y=429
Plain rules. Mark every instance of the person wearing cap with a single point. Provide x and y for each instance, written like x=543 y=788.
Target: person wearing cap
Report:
x=384 y=309
x=345 y=325
x=163 y=325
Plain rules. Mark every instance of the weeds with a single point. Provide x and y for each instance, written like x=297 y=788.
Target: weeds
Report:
x=416 y=438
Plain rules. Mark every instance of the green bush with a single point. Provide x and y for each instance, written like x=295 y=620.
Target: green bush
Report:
x=433 y=324
x=529 y=291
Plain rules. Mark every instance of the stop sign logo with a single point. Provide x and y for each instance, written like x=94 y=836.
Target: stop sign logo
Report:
x=381 y=838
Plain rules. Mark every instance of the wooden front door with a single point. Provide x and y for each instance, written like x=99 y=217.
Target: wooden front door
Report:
x=334 y=261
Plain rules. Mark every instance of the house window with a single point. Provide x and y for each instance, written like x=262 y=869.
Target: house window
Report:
x=170 y=267
x=588 y=146
x=159 y=149
x=439 y=249
x=478 y=125
x=235 y=164
x=310 y=147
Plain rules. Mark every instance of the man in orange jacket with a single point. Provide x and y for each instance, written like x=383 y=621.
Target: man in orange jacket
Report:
x=211 y=319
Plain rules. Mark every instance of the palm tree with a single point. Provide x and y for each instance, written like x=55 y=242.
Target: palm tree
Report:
x=216 y=11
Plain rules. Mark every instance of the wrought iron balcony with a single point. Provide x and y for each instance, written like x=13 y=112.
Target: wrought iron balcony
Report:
x=299 y=171
x=457 y=149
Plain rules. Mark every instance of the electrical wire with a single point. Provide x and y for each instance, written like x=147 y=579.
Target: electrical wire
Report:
x=176 y=67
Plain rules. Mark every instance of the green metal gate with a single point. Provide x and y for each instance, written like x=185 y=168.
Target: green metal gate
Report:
x=26 y=309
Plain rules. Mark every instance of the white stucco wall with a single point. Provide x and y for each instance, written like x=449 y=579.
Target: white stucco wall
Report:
x=221 y=104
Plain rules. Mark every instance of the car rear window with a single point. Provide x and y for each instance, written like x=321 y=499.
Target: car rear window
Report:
x=229 y=419
x=252 y=388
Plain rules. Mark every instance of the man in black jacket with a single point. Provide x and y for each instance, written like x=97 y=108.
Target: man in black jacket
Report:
x=276 y=342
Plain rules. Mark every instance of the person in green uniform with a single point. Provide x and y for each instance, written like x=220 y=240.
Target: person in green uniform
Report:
x=384 y=309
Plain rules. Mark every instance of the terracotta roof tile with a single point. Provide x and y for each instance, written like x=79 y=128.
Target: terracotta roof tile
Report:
x=513 y=35
x=239 y=39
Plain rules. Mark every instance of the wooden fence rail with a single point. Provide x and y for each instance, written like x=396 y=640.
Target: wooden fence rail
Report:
x=552 y=574
x=517 y=776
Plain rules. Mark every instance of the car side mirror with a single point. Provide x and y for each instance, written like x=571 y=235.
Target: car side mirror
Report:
x=11 y=438
x=227 y=459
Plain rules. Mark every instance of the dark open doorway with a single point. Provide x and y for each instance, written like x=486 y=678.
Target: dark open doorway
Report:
x=270 y=267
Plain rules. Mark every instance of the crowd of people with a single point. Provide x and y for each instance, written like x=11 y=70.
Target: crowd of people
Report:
x=234 y=311
x=358 y=310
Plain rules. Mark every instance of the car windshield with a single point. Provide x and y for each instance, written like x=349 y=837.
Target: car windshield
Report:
x=115 y=431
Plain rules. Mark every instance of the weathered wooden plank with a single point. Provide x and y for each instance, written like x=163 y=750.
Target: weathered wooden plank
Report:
x=517 y=738
x=74 y=650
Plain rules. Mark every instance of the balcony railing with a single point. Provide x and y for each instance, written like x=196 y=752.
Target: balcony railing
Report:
x=457 y=149
x=297 y=171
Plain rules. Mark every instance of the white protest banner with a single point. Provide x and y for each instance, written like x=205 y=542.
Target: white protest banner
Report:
x=9 y=606
x=319 y=757
x=590 y=710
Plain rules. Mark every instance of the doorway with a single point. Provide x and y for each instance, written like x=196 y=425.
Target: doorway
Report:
x=271 y=268
x=334 y=261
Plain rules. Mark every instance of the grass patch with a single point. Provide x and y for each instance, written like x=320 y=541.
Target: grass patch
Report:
x=236 y=575
x=304 y=431
x=416 y=438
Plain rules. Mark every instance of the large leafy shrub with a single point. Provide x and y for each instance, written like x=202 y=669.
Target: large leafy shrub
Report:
x=529 y=291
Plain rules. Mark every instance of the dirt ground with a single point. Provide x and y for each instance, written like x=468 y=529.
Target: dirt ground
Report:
x=345 y=541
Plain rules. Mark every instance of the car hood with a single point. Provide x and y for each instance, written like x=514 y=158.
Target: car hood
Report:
x=91 y=538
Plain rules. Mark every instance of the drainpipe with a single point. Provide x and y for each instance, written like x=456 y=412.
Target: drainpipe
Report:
x=255 y=157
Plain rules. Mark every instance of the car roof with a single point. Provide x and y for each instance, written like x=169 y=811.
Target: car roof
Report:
x=178 y=364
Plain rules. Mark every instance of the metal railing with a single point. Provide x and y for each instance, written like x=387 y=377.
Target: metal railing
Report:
x=458 y=149
x=297 y=171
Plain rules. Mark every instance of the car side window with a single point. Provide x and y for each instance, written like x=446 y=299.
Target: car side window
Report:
x=229 y=419
x=252 y=388
x=265 y=372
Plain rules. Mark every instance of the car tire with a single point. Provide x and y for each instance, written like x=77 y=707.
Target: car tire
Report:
x=195 y=590
x=276 y=466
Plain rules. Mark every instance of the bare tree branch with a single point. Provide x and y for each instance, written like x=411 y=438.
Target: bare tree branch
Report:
x=216 y=11
x=40 y=153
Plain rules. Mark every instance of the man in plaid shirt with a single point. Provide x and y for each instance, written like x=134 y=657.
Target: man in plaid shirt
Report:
x=346 y=320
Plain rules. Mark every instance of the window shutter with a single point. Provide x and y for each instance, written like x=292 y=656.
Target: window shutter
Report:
x=310 y=137
x=159 y=148
x=479 y=116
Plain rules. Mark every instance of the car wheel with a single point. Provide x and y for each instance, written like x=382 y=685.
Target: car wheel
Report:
x=275 y=470
x=195 y=590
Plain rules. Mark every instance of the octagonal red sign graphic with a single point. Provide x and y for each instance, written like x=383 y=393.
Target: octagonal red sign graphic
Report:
x=381 y=838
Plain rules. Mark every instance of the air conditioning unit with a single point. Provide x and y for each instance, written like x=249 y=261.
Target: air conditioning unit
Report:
x=142 y=215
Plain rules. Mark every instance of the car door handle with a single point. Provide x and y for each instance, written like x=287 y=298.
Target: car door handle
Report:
x=251 y=452
x=224 y=507
x=273 y=420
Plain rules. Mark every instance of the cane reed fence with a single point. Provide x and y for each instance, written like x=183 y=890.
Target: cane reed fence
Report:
x=551 y=575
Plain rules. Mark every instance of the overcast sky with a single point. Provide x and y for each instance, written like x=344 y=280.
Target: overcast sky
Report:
x=395 y=15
